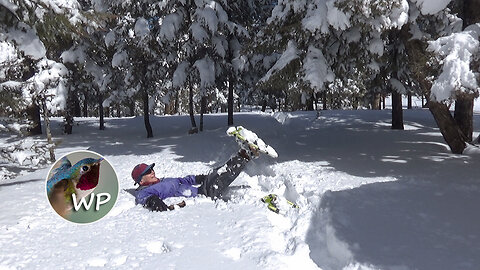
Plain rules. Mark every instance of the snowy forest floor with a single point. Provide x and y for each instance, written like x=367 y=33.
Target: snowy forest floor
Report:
x=369 y=197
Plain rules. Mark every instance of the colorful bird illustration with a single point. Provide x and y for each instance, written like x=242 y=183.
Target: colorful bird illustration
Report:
x=81 y=179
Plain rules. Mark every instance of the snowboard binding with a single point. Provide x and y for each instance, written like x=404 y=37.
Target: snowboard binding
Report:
x=273 y=201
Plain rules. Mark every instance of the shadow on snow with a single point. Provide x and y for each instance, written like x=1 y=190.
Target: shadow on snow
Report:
x=405 y=224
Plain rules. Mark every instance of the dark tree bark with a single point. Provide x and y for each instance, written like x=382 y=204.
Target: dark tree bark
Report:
x=69 y=112
x=324 y=97
x=33 y=115
x=409 y=100
x=194 y=128
x=85 y=103
x=131 y=107
x=470 y=14
x=310 y=101
x=448 y=127
x=203 y=108
x=68 y=127
x=48 y=130
x=377 y=101
x=146 y=115
x=230 y=101
x=100 y=111
x=397 y=111
x=177 y=101
x=264 y=105
x=464 y=116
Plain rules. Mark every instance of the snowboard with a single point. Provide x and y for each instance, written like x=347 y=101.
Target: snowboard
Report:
x=247 y=140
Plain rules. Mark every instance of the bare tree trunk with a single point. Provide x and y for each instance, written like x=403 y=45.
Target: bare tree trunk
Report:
x=131 y=107
x=85 y=103
x=230 y=101
x=464 y=116
x=194 y=128
x=177 y=102
x=146 y=115
x=324 y=96
x=118 y=110
x=203 y=108
x=376 y=102
x=310 y=101
x=33 y=115
x=397 y=111
x=448 y=127
x=48 y=130
x=100 y=111
x=469 y=14
x=409 y=100
x=69 y=112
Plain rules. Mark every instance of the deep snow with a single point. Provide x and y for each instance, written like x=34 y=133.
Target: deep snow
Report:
x=370 y=198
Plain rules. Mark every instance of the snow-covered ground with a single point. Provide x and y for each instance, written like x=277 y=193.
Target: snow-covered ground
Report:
x=369 y=198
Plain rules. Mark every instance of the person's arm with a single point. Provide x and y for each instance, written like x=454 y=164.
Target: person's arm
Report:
x=145 y=193
x=189 y=180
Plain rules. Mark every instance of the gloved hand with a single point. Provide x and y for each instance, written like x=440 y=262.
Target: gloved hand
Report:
x=199 y=179
x=154 y=203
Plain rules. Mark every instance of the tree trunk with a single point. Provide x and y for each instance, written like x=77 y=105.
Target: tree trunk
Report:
x=376 y=102
x=397 y=111
x=85 y=104
x=194 y=128
x=118 y=110
x=48 y=130
x=131 y=107
x=69 y=112
x=310 y=102
x=469 y=14
x=146 y=114
x=177 y=102
x=448 y=127
x=68 y=127
x=230 y=101
x=324 y=97
x=464 y=116
x=203 y=108
x=100 y=111
x=409 y=100
x=264 y=105
x=33 y=115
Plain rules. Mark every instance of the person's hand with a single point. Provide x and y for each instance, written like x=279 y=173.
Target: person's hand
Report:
x=199 y=179
x=154 y=203
x=181 y=205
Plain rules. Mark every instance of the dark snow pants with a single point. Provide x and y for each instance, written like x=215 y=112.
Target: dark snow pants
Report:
x=214 y=184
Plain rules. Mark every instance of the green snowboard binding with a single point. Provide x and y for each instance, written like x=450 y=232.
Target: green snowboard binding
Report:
x=272 y=203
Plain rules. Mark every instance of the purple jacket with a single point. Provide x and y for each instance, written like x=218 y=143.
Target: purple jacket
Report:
x=168 y=187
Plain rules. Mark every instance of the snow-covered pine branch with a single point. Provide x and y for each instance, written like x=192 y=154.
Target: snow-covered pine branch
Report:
x=456 y=53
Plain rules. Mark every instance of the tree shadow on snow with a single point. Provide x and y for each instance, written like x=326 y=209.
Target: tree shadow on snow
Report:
x=127 y=136
x=407 y=224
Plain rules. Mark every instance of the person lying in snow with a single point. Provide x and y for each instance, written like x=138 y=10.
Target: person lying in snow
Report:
x=152 y=190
